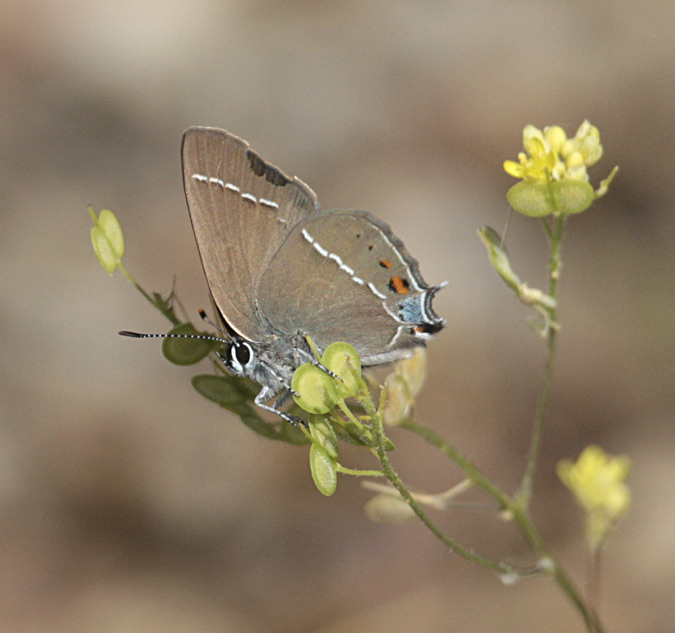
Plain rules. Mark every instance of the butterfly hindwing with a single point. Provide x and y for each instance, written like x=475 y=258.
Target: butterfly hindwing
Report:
x=342 y=275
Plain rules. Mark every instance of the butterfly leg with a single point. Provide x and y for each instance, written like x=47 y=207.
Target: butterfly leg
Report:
x=265 y=394
x=308 y=357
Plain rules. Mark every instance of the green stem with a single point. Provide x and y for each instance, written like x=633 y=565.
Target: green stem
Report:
x=167 y=312
x=342 y=405
x=468 y=467
x=355 y=472
x=555 y=263
x=561 y=578
x=525 y=492
x=394 y=479
x=593 y=577
x=131 y=280
x=520 y=516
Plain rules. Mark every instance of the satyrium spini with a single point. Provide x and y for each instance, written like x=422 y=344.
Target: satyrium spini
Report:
x=279 y=268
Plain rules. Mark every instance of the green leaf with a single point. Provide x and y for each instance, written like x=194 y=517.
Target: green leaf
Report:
x=185 y=351
x=253 y=421
x=292 y=435
x=352 y=434
x=234 y=394
x=220 y=389
x=247 y=386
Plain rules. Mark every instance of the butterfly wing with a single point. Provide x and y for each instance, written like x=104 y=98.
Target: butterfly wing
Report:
x=343 y=276
x=242 y=209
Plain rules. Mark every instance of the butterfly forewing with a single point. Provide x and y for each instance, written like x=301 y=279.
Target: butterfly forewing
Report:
x=242 y=209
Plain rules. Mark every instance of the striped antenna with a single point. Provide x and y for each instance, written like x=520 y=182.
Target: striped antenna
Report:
x=204 y=337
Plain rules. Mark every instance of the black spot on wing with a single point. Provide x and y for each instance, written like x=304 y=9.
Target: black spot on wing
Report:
x=261 y=168
x=428 y=328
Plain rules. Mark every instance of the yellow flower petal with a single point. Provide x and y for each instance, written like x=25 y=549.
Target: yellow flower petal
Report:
x=514 y=169
x=531 y=132
x=588 y=143
x=556 y=137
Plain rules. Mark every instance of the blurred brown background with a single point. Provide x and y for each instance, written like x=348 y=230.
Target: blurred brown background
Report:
x=129 y=503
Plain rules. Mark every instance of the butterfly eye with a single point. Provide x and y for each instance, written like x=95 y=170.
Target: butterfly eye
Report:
x=243 y=354
x=239 y=355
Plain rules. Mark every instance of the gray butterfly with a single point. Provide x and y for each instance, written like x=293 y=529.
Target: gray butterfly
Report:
x=279 y=268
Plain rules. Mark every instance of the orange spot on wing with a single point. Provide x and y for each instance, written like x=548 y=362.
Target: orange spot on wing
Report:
x=399 y=285
x=385 y=263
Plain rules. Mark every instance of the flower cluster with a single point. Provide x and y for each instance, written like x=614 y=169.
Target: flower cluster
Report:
x=550 y=155
x=553 y=171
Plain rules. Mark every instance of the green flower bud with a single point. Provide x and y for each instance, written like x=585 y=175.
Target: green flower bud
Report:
x=538 y=199
x=323 y=455
x=572 y=196
x=413 y=370
x=556 y=137
x=342 y=359
x=323 y=433
x=587 y=140
x=317 y=391
x=397 y=406
x=498 y=256
x=386 y=508
x=324 y=470
x=532 y=199
x=107 y=239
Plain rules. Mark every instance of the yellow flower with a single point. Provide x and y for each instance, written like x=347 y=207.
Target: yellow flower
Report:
x=598 y=482
x=549 y=155
x=539 y=159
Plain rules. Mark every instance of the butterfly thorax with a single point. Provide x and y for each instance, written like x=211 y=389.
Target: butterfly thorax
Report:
x=270 y=363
